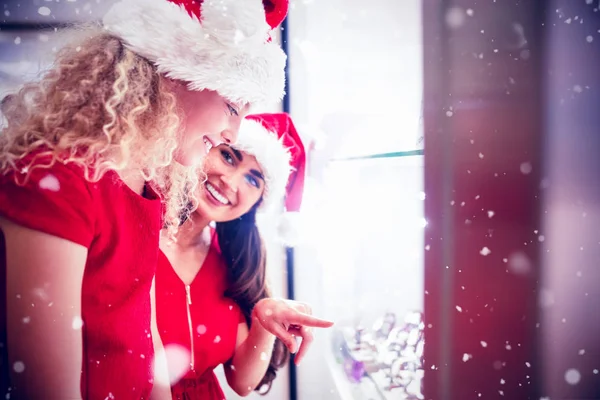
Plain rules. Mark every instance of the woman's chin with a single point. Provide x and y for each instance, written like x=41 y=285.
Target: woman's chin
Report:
x=189 y=157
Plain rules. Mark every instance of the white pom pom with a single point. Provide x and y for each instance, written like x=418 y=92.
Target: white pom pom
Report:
x=288 y=228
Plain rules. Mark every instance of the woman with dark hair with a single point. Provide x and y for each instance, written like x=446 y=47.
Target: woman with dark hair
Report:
x=213 y=303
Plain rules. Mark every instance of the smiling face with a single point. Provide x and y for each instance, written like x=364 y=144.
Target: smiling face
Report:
x=234 y=184
x=208 y=119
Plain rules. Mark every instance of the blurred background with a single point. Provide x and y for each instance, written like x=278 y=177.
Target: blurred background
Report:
x=451 y=219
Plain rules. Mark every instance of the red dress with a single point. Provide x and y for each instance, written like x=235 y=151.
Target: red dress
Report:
x=120 y=229
x=197 y=324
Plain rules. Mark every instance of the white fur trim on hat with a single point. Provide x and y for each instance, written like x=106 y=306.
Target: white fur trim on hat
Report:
x=273 y=158
x=227 y=51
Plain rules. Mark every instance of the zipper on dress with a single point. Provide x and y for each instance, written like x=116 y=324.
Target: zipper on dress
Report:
x=189 y=316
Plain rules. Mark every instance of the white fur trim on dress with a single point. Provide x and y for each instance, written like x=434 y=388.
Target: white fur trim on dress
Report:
x=273 y=158
x=226 y=51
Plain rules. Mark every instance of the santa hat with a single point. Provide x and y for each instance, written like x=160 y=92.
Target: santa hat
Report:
x=274 y=141
x=219 y=45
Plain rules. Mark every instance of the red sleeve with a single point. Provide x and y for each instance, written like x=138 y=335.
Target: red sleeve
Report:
x=55 y=200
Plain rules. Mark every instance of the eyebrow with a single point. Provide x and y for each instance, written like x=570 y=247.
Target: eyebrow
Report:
x=257 y=174
x=237 y=154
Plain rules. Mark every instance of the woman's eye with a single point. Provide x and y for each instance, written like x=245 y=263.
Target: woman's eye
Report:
x=227 y=157
x=232 y=110
x=253 y=181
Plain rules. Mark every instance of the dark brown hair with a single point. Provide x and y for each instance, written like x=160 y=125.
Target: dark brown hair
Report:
x=245 y=255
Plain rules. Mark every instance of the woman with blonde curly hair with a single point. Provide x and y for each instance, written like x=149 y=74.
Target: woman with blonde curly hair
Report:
x=95 y=158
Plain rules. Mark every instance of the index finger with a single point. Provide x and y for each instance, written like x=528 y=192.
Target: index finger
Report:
x=308 y=320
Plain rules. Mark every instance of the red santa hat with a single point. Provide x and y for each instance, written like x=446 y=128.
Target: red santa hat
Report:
x=220 y=45
x=274 y=141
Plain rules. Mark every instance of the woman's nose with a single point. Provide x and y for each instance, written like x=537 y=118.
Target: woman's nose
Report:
x=231 y=182
x=230 y=135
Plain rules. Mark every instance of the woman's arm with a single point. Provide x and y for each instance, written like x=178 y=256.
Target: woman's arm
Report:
x=285 y=319
x=161 y=390
x=44 y=275
x=251 y=359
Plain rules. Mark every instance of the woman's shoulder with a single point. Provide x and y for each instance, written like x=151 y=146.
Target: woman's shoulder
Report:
x=42 y=193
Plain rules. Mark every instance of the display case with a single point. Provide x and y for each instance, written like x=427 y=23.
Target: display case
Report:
x=384 y=362
x=361 y=264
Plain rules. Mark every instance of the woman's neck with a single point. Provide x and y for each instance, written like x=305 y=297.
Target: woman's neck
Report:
x=193 y=232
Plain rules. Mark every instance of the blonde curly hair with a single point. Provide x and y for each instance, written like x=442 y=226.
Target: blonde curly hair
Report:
x=103 y=107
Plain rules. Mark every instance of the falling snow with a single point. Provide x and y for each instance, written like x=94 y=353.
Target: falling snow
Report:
x=485 y=251
x=239 y=36
x=526 y=168
x=26 y=320
x=483 y=344
x=589 y=39
x=466 y=357
x=49 y=182
x=19 y=367
x=581 y=352
x=269 y=312
x=77 y=323
x=263 y=356
x=490 y=214
x=201 y=329
x=572 y=376
x=45 y=11
x=217 y=339
x=519 y=263
x=455 y=17
x=458 y=308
